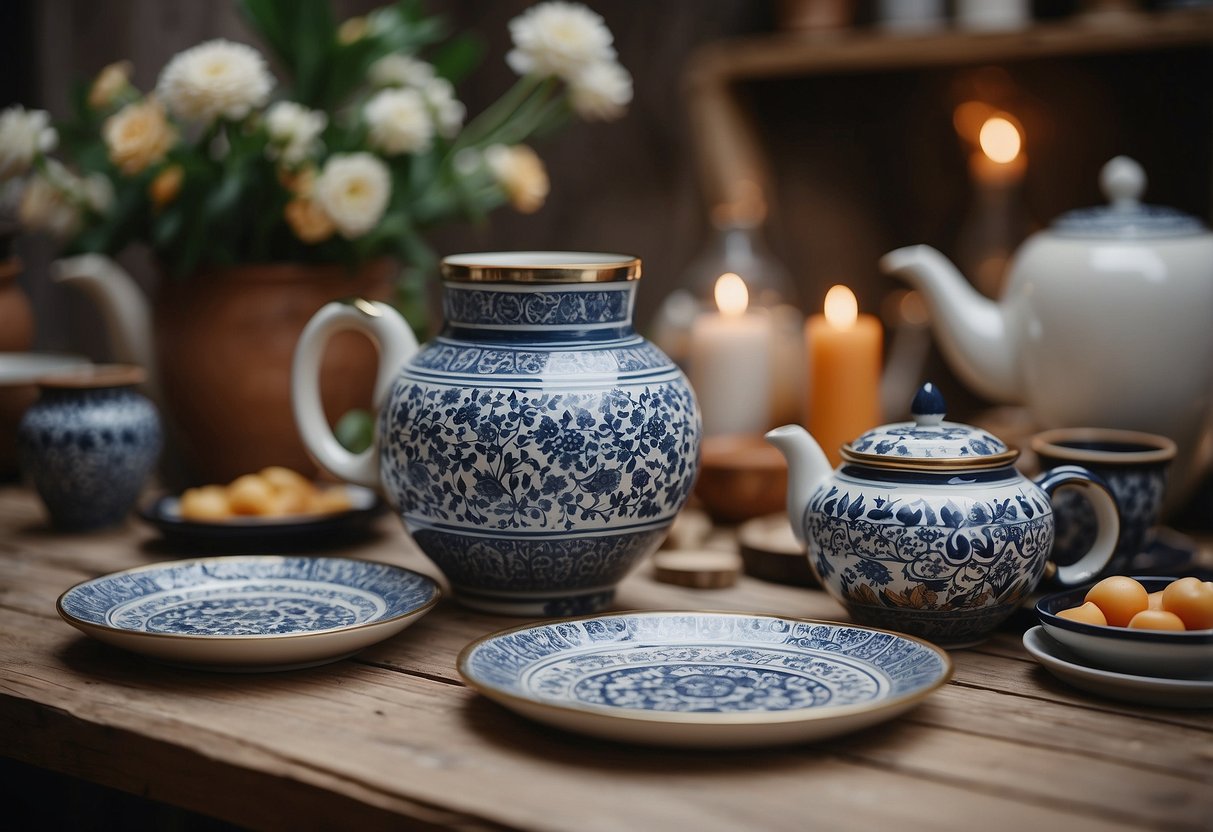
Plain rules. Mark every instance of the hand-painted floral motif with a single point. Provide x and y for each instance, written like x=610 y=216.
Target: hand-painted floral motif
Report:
x=537 y=308
x=904 y=551
x=703 y=663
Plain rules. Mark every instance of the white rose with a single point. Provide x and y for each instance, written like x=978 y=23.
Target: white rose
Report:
x=396 y=70
x=294 y=131
x=215 y=79
x=23 y=135
x=399 y=121
x=520 y=173
x=49 y=202
x=353 y=190
x=558 y=38
x=601 y=92
x=447 y=110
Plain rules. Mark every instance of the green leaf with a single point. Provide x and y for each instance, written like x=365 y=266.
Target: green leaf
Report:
x=455 y=59
x=268 y=18
x=356 y=431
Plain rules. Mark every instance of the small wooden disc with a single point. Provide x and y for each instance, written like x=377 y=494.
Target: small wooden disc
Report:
x=771 y=552
x=697 y=568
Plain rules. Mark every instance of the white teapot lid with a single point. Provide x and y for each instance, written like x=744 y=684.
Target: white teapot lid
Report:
x=928 y=441
x=1123 y=181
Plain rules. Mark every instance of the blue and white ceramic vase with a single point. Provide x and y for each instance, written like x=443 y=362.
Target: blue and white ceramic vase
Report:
x=89 y=444
x=538 y=448
x=926 y=527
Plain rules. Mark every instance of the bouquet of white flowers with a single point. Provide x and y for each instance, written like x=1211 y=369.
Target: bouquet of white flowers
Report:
x=222 y=163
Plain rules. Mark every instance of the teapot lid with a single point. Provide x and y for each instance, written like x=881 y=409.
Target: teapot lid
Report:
x=929 y=442
x=1123 y=181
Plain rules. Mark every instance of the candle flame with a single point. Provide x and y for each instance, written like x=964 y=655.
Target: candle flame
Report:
x=732 y=296
x=1000 y=139
x=842 y=310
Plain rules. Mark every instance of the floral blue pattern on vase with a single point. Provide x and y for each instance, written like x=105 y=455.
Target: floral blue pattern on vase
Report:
x=89 y=451
x=538 y=449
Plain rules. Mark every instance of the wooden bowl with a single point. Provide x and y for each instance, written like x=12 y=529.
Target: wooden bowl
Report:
x=741 y=477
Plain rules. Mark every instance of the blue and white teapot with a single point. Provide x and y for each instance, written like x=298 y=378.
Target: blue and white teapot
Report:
x=926 y=527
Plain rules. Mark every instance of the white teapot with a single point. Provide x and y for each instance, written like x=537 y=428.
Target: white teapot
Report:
x=1104 y=321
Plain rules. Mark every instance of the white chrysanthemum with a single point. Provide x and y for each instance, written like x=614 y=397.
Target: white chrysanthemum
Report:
x=520 y=173
x=399 y=121
x=353 y=190
x=50 y=202
x=448 y=111
x=23 y=135
x=601 y=92
x=558 y=38
x=294 y=131
x=215 y=79
x=396 y=70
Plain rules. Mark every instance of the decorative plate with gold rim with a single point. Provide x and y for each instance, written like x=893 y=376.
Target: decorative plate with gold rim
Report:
x=704 y=679
x=248 y=614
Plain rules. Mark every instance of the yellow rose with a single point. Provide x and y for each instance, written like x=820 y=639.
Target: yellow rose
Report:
x=299 y=181
x=308 y=220
x=521 y=174
x=138 y=136
x=108 y=84
x=166 y=186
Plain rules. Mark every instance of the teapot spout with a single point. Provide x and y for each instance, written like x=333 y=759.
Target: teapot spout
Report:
x=971 y=329
x=127 y=314
x=807 y=467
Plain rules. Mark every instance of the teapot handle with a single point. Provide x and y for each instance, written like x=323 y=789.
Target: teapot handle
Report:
x=396 y=343
x=1107 y=517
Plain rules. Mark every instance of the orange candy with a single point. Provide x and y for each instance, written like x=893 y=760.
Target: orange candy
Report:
x=1088 y=613
x=1156 y=620
x=1119 y=598
x=1191 y=600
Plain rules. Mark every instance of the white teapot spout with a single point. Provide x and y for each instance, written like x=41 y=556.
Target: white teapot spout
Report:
x=807 y=468
x=971 y=329
x=127 y=314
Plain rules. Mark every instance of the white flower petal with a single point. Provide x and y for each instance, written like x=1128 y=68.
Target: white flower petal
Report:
x=216 y=79
x=558 y=38
x=399 y=121
x=353 y=189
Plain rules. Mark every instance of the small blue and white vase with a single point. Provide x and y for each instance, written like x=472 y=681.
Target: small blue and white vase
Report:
x=538 y=449
x=89 y=444
x=927 y=527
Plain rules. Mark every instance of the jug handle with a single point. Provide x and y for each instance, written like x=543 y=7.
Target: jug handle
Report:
x=1107 y=517
x=396 y=343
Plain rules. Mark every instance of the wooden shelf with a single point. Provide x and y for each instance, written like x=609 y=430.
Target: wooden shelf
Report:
x=799 y=54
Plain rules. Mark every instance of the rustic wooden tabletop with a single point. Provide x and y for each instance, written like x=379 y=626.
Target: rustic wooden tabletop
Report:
x=392 y=738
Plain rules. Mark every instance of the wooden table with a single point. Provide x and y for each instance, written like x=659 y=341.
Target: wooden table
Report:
x=393 y=739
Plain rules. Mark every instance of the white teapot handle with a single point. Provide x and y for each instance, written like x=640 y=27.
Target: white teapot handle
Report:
x=396 y=342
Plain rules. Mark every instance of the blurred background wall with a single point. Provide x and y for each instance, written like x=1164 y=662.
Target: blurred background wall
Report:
x=862 y=161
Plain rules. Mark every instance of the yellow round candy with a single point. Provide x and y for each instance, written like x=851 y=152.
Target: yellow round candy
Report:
x=1156 y=620
x=1088 y=613
x=1119 y=598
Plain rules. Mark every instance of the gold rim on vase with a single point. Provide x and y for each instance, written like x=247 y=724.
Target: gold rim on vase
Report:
x=540 y=267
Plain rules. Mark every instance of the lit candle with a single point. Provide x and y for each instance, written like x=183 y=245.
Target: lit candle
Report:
x=999 y=158
x=844 y=372
x=731 y=363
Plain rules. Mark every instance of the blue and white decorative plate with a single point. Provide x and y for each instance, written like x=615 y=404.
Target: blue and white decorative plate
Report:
x=250 y=613
x=311 y=531
x=704 y=679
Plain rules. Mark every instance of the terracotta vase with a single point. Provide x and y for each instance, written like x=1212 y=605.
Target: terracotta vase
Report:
x=16 y=314
x=225 y=340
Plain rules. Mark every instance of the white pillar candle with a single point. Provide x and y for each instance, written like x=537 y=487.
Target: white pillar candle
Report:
x=731 y=354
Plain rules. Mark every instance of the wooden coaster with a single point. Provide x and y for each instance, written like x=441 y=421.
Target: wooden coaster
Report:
x=770 y=551
x=697 y=568
x=691 y=527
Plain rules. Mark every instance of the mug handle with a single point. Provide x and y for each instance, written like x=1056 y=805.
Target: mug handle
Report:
x=1107 y=517
x=396 y=343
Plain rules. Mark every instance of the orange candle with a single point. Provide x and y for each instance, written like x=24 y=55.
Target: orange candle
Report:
x=844 y=372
